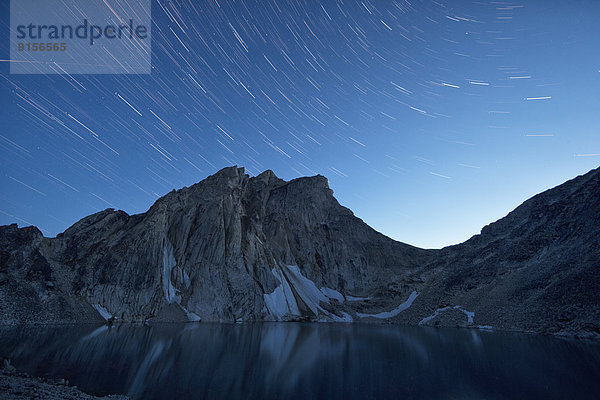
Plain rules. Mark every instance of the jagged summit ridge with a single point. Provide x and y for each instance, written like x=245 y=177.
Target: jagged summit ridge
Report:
x=214 y=250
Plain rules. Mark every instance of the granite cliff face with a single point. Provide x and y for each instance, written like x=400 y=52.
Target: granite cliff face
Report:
x=234 y=248
x=226 y=249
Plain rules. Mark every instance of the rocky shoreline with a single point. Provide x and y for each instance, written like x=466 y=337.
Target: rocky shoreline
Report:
x=16 y=385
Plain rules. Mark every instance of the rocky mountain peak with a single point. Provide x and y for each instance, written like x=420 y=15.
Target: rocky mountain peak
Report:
x=233 y=174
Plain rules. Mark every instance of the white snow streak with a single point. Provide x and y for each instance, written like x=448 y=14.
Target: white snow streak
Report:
x=470 y=315
x=283 y=299
x=432 y=316
x=276 y=303
x=191 y=316
x=395 y=311
x=102 y=311
x=344 y=318
x=168 y=264
x=332 y=294
x=305 y=288
x=352 y=298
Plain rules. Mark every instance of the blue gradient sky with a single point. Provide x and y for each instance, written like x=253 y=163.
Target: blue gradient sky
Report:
x=417 y=112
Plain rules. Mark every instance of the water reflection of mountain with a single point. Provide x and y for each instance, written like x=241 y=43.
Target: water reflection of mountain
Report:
x=279 y=360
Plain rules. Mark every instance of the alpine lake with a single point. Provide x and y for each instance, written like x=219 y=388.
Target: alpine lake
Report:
x=305 y=361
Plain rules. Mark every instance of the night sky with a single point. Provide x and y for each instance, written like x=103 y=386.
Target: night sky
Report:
x=431 y=119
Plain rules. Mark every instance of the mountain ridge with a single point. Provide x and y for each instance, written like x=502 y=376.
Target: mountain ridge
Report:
x=240 y=248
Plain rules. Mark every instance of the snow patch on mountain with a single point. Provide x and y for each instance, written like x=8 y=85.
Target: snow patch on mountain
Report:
x=344 y=318
x=193 y=317
x=295 y=287
x=168 y=264
x=470 y=314
x=282 y=301
x=395 y=311
x=332 y=294
x=305 y=288
x=353 y=298
x=102 y=311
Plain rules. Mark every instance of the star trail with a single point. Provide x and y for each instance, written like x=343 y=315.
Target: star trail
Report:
x=430 y=118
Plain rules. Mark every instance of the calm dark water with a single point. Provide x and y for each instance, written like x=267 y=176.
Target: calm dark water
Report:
x=306 y=361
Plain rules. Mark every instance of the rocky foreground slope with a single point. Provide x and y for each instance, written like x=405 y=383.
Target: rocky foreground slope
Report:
x=16 y=385
x=235 y=248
